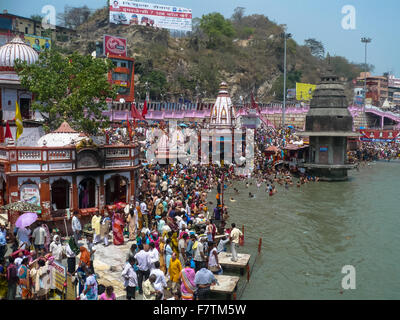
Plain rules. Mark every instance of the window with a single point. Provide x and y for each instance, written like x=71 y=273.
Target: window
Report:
x=120 y=76
x=26 y=30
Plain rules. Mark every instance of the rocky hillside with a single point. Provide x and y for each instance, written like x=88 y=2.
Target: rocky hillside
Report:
x=248 y=54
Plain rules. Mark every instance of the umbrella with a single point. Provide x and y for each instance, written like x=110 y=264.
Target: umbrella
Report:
x=21 y=206
x=26 y=220
x=182 y=125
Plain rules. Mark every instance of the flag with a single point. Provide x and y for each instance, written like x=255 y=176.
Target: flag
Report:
x=129 y=128
x=144 y=112
x=254 y=104
x=18 y=121
x=8 y=131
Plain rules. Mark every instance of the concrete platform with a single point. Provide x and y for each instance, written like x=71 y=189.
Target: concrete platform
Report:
x=226 y=285
x=224 y=259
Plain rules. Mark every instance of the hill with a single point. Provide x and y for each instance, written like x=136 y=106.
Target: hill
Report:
x=245 y=51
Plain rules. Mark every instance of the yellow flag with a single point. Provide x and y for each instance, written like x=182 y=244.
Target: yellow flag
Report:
x=18 y=120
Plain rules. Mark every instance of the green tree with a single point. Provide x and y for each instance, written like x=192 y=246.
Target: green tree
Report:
x=218 y=30
x=291 y=78
x=73 y=86
x=37 y=17
x=157 y=83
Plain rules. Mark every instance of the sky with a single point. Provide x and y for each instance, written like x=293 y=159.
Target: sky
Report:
x=319 y=19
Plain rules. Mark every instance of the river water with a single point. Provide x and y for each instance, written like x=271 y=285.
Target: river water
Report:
x=309 y=233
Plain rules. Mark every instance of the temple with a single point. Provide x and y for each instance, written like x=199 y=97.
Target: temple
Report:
x=329 y=124
x=67 y=171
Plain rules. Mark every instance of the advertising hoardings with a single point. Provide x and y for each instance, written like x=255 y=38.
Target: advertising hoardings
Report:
x=149 y=14
x=304 y=91
x=114 y=45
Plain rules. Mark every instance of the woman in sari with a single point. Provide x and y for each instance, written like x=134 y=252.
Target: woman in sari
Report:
x=131 y=220
x=174 y=243
x=24 y=280
x=162 y=255
x=188 y=287
x=84 y=259
x=118 y=229
x=140 y=216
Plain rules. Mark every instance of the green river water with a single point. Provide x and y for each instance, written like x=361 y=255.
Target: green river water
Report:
x=309 y=233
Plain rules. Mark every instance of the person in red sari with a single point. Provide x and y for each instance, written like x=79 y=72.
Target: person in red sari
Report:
x=118 y=229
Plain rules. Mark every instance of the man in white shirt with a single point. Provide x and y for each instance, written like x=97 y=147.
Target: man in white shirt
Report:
x=143 y=209
x=234 y=237
x=76 y=227
x=39 y=234
x=144 y=265
x=71 y=258
x=154 y=255
x=198 y=253
x=221 y=244
x=161 y=283
x=130 y=279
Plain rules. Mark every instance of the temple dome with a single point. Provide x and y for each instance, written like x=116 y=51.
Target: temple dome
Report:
x=61 y=137
x=223 y=113
x=17 y=49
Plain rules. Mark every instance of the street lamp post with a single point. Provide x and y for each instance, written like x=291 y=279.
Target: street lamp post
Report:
x=366 y=41
x=285 y=37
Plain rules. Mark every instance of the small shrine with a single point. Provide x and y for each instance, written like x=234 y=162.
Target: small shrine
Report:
x=67 y=171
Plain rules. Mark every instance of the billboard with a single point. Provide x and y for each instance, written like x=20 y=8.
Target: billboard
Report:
x=304 y=91
x=114 y=45
x=37 y=43
x=148 y=14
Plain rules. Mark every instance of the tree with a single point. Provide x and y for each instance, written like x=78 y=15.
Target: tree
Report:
x=218 y=30
x=157 y=83
x=73 y=86
x=291 y=78
x=73 y=17
x=37 y=17
x=238 y=14
x=316 y=48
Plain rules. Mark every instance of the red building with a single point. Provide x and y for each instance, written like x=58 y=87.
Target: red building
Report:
x=68 y=172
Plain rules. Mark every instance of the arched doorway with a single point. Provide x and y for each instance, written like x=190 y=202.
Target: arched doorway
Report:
x=4 y=193
x=87 y=193
x=60 y=195
x=116 y=190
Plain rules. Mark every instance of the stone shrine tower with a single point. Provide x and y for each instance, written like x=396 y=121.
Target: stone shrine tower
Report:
x=329 y=124
x=218 y=144
x=223 y=113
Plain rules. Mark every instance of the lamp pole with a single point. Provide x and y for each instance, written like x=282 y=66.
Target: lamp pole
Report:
x=285 y=37
x=366 y=41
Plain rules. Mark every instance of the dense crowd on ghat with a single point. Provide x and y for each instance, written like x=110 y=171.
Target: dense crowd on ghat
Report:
x=175 y=231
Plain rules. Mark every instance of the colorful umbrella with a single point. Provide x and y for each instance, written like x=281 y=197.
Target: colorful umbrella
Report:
x=26 y=220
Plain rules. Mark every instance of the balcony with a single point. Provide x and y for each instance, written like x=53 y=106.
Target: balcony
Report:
x=67 y=159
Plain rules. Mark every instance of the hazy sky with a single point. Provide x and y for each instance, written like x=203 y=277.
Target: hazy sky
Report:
x=319 y=19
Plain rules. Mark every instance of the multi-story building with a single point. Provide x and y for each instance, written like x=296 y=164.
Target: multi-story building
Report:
x=12 y=25
x=394 y=90
x=377 y=87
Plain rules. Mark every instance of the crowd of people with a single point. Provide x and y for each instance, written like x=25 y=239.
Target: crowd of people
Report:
x=176 y=232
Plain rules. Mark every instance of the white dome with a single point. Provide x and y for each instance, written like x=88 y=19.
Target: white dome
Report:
x=17 y=49
x=58 y=139
x=61 y=137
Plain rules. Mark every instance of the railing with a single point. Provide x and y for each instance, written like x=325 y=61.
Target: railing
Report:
x=59 y=154
x=29 y=155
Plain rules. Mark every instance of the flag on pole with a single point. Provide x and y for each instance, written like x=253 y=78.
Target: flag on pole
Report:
x=8 y=131
x=129 y=128
x=144 y=112
x=18 y=121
